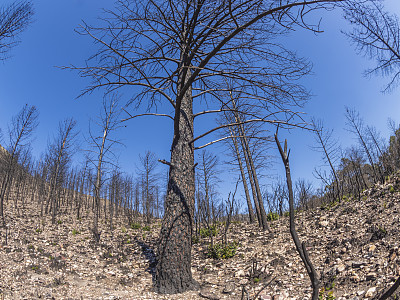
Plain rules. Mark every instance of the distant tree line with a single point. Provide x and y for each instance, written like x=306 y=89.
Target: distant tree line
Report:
x=58 y=187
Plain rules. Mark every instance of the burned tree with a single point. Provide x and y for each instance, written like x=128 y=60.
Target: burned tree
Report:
x=14 y=18
x=331 y=152
x=20 y=133
x=102 y=144
x=300 y=247
x=58 y=157
x=376 y=35
x=357 y=127
x=176 y=52
x=148 y=177
x=242 y=174
x=207 y=176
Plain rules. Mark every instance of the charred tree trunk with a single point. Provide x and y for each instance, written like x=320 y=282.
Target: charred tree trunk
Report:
x=245 y=187
x=301 y=248
x=173 y=272
x=262 y=218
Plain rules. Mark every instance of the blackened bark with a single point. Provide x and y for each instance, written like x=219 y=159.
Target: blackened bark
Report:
x=173 y=271
x=262 y=216
x=245 y=187
x=391 y=290
x=253 y=187
x=300 y=247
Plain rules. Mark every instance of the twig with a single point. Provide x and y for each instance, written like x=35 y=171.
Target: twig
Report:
x=166 y=163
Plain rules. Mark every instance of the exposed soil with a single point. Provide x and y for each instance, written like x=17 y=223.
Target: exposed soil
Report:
x=354 y=245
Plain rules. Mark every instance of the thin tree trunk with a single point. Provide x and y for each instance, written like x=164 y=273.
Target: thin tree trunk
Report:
x=245 y=187
x=301 y=248
x=252 y=171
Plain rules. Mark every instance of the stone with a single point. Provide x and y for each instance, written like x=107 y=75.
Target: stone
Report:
x=371 y=276
x=229 y=288
x=370 y=292
x=324 y=223
x=359 y=293
x=357 y=264
x=392 y=256
x=282 y=296
x=240 y=273
x=263 y=296
x=206 y=293
x=355 y=278
x=340 y=268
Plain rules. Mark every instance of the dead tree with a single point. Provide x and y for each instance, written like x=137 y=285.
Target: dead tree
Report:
x=304 y=192
x=242 y=174
x=102 y=148
x=301 y=247
x=149 y=177
x=58 y=157
x=353 y=174
x=356 y=126
x=391 y=290
x=230 y=204
x=247 y=153
x=376 y=35
x=208 y=179
x=20 y=133
x=279 y=197
x=330 y=150
x=14 y=18
x=114 y=194
x=179 y=51
x=242 y=138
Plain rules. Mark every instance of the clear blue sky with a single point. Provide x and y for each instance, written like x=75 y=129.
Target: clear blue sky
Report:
x=30 y=76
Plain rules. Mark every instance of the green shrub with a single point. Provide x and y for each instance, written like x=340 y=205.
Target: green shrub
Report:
x=272 y=216
x=195 y=239
x=326 y=294
x=59 y=222
x=206 y=232
x=135 y=226
x=256 y=280
x=75 y=232
x=286 y=214
x=123 y=229
x=146 y=228
x=220 y=251
x=391 y=189
x=35 y=268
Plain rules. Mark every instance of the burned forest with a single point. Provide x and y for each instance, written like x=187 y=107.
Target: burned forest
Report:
x=198 y=149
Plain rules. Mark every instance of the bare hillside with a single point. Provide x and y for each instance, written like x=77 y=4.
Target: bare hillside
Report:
x=354 y=244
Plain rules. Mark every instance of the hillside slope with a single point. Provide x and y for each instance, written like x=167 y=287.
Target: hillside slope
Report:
x=355 y=244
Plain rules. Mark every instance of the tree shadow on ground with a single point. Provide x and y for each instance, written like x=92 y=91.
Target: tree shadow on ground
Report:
x=150 y=255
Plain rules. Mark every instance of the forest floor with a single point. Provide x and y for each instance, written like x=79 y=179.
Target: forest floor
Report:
x=354 y=244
